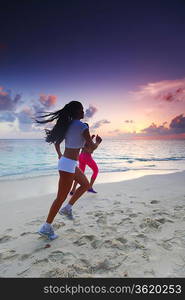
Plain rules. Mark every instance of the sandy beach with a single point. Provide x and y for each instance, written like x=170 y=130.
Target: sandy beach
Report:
x=130 y=228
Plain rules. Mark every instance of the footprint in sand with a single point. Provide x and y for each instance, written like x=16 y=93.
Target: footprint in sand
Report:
x=89 y=213
x=85 y=262
x=58 y=225
x=59 y=255
x=178 y=207
x=102 y=220
x=149 y=223
x=97 y=206
x=91 y=225
x=98 y=213
x=136 y=245
x=111 y=213
x=25 y=256
x=179 y=233
x=122 y=240
x=165 y=245
x=36 y=221
x=59 y=272
x=146 y=255
x=142 y=236
x=80 y=269
x=133 y=215
x=124 y=220
x=43 y=247
x=71 y=230
x=8 y=229
x=101 y=266
x=117 y=202
x=7 y=254
x=154 y=201
x=40 y=262
x=26 y=233
x=115 y=243
x=84 y=239
x=6 y=238
x=129 y=210
x=76 y=222
x=96 y=244
x=164 y=220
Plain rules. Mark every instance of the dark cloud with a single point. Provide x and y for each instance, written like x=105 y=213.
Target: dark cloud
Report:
x=100 y=123
x=89 y=113
x=25 y=116
x=129 y=121
x=176 y=95
x=7 y=102
x=25 y=119
x=153 y=129
x=7 y=117
x=176 y=126
x=10 y=108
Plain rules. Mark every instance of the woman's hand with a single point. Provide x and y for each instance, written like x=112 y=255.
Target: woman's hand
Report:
x=92 y=137
x=98 y=139
x=59 y=155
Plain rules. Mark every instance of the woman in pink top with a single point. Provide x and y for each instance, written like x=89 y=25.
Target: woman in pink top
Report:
x=86 y=159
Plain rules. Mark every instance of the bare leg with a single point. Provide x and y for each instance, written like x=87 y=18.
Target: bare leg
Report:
x=74 y=187
x=64 y=186
x=82 y=165
x=84 y=185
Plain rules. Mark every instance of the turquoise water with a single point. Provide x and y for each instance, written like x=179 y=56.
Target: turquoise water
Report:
x=32 y=158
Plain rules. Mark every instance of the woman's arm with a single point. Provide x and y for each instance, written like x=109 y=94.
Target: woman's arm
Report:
x=89 y=140
x=57 y=148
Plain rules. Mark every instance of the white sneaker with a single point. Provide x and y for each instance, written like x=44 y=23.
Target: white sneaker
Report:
x=47 y=231
x=66 y=212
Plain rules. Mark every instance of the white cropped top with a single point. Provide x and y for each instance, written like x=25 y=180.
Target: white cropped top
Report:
x=74 y=137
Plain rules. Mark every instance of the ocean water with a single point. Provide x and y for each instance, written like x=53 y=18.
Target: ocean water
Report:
x=33 y=158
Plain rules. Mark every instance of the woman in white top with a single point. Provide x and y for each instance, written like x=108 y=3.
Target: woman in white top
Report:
x=75 y=133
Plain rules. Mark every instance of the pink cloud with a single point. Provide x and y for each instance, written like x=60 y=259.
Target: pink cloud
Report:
x=166 y=90
x=2 y=93
x=48 y=101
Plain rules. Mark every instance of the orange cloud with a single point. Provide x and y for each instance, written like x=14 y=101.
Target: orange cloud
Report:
x=2 y=93
x=48 y=100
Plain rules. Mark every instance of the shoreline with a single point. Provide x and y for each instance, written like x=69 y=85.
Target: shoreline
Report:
x=132 y=228
x=44 y=185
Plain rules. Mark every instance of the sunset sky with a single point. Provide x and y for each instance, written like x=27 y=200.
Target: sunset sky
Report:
x=124 y=60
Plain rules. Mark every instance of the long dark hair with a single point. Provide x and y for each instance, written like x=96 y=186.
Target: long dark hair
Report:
x=64 y=117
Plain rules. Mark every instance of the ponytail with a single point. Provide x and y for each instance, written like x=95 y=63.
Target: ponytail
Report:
x=64 y=117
